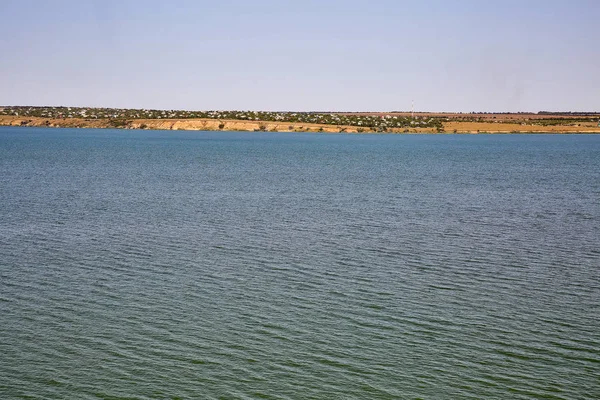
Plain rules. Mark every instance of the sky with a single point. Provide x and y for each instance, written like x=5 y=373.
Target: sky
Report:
x=308 y=55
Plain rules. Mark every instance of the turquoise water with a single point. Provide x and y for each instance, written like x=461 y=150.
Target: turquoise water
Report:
x=163 y=265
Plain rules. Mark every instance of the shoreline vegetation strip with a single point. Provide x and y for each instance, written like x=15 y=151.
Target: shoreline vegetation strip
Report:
x=357 y=122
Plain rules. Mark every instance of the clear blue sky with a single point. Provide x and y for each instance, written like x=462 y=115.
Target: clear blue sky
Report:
x=303 y=55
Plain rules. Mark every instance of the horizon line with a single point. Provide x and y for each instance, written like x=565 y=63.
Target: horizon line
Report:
x=311 y=111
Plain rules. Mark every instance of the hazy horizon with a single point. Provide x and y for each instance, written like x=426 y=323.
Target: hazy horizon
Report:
x=346 y=56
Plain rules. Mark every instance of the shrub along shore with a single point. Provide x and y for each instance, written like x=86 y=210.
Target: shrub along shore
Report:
x=393 y=122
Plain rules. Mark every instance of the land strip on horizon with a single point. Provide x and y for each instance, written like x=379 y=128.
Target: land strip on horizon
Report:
x=351 y=122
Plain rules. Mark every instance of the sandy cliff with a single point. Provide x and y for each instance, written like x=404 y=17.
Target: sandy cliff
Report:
x=237 y=125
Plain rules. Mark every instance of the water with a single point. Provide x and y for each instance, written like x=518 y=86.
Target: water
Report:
x=165 y=265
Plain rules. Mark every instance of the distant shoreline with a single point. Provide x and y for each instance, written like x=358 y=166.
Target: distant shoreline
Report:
x=209 y=124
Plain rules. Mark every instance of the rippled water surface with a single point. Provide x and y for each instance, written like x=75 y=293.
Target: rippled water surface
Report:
x=165 y=265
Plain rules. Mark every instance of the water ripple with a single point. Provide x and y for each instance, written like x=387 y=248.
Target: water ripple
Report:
x=144 y=265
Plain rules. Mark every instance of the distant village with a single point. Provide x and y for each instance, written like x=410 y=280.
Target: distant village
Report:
x=370 y=122
x=376 y=122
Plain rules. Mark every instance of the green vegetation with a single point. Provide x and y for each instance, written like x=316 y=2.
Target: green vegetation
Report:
x=380 y=123
x=118 y=122
x=119 y=117
x=561 y=121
